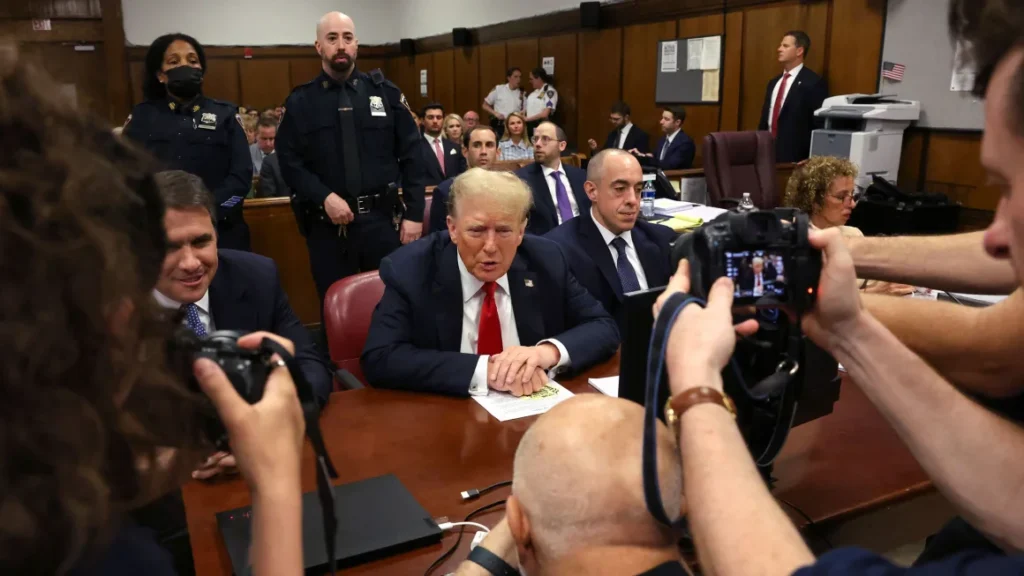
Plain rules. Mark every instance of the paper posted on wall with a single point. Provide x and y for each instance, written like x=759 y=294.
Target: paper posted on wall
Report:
x=694 y=53
x=505 y=406
x=711 y=55
x=670 y=56
x=963 y=70
x=709 y=91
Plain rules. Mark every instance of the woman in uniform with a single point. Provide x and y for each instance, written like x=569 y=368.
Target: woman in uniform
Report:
x=541 y=103
x=190 y=132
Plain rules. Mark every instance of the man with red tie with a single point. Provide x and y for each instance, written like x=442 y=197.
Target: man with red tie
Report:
x=791 y=100
x=483 y=307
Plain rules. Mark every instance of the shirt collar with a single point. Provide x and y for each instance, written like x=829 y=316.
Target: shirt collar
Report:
x=673 y=135
x=627 y=127
x=203 y=303
x=548 y=171
x=607 y=234
x=471 y=285
x=431 y=138
x=792 y=73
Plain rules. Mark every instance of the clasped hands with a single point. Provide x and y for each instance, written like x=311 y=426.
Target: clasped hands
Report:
x=340 y=213
x=522 y=370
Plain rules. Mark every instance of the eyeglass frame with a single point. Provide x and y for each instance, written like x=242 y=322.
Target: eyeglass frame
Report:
x=545 y=139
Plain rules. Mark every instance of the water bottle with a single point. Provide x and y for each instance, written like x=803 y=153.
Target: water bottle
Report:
x=746 y=204
x=647 y=200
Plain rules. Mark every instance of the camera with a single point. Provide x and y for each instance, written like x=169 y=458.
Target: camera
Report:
x=765 y=253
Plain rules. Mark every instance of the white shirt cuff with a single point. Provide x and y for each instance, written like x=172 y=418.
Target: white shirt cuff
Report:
x=563 y=357
x=478 y=384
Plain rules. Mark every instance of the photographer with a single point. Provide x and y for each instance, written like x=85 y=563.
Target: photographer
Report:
x=970 y=453
x=93 y=422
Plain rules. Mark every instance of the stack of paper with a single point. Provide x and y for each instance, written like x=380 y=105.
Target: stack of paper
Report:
x=608 y=386
x=505 y=406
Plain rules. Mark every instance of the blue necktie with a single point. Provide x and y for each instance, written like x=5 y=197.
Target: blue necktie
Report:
x=627 y=275
x=192 y=318
x=564 y=207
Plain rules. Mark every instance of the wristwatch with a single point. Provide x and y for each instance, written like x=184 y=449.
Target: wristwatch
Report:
x=683 y=401
x=491 y=562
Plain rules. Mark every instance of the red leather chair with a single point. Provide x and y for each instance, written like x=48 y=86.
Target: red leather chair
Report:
x=348 y=310
x=738 y=162
x=426 y=215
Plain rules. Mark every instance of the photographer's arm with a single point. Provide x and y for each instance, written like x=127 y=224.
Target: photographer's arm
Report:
x=957 y=263
x=978 y=349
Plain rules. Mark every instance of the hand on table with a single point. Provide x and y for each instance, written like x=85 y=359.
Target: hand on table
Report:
x=516 y=369
x=410 y=231
x=338 y=209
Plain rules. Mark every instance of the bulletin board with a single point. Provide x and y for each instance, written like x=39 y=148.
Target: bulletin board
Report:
x=689 y=70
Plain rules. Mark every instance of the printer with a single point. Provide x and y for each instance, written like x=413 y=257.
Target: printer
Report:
x=867 y=130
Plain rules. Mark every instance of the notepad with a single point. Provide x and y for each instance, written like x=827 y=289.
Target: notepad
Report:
x=608 y=386
x=505 y=406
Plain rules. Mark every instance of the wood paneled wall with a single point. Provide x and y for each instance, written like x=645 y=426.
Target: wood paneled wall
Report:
x=948 y=162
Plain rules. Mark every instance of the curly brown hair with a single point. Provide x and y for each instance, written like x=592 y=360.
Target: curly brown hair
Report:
x=810 y=183
x=87 y=395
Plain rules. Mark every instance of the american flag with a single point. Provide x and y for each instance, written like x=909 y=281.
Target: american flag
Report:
x=893 y=71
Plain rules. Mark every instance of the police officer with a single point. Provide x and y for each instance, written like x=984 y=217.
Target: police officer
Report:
x=542 y=102
x=190 y=132
x=345 y=141
x=504 y=99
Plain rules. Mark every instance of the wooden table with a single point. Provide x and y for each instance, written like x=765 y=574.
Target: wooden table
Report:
x=844 y=464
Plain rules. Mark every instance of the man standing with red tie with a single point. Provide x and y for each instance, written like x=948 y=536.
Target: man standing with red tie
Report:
x=791 y=100
x=485 y=306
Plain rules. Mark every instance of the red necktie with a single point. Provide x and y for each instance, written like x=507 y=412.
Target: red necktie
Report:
x=778 y=104
x=440 y=154
x=489 y=341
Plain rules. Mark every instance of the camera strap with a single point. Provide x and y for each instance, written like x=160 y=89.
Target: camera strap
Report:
x=324 y=467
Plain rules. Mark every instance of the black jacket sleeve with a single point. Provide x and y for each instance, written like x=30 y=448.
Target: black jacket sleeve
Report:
x=289 y=149
x=407 y=139
x=239 y=178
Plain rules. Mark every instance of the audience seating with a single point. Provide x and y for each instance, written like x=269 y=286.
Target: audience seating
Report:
x=738 y=162
x=348 y=310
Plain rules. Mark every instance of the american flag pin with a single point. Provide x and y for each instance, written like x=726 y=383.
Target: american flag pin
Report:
x=528 y=282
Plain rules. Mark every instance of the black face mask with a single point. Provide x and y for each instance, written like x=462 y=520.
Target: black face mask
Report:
x=185 y=82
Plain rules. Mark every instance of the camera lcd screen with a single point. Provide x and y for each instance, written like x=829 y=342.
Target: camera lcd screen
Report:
x=756 y=273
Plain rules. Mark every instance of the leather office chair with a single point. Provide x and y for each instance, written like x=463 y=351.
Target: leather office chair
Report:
x=738 y=162
x=426 y=214
x=348 y=310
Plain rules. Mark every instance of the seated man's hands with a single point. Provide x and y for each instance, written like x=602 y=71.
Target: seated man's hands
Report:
x=838 y=308
x=890 y=288
x=516 y=369
x=221 y=463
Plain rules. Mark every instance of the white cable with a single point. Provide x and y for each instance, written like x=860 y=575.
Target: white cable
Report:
x=446 y=526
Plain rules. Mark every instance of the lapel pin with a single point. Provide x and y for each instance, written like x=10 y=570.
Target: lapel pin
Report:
x=528 y=282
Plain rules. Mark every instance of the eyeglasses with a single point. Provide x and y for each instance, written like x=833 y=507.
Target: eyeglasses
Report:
x=853 y=197
x=545 y=140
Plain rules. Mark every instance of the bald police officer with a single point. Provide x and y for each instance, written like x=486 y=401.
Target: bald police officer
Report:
x=347 y=140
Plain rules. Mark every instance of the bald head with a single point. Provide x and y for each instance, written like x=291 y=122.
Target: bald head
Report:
x=617 y=158
x=334 y=21
x=614 y=184
x=579 y=482
x=337 y=44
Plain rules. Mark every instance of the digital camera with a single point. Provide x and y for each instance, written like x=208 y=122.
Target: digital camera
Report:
x=765 y=253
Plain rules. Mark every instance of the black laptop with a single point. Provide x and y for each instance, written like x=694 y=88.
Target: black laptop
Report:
x=377 y=518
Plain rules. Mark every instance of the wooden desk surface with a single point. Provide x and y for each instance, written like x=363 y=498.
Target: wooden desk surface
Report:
x=846 y=463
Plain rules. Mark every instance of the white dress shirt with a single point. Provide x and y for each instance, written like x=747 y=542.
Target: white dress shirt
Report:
x=554 y=193
x=775 y=91
x=759 y=284
x=472 y=303
x=440 y=142
x=668 y=142
x=505 y=100
x=631 y=255
x=203 y=304
x=623 y=135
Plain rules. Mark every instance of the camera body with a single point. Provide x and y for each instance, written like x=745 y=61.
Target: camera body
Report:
x=765 y=253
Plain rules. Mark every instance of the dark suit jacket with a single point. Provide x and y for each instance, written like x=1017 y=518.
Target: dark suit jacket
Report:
x=591 y=261
x=439 y=206
x=796 y=120
x=768 y=275
x=271 y=182
x=454 y=161
x=636 y=138
x=544 y=214
x=679 y=155
x=246 y=296
x=416 y=334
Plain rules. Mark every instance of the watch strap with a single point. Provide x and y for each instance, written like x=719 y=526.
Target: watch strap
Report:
x=491 y=562
x=700 y=395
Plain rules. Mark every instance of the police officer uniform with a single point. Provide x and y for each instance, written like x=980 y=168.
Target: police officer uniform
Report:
x=504 y=101
x=203 y=137
x=356 y=139
x=544 y=97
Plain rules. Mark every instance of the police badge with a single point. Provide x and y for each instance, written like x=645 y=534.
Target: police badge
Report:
x=377 y=106
x=208 y=121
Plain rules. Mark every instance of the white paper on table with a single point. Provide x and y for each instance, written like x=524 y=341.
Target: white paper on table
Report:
x=670 y=56
x=708 y=213
x=505 y=406
x=709 y=92
x=694 y=53
x=711 y=55
x=608 y=386
x=670 y=206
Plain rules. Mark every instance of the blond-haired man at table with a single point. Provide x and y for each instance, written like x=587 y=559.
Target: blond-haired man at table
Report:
x=577 y=503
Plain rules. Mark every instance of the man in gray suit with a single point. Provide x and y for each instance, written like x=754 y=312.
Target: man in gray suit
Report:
x=264 y=146
x=271 y=182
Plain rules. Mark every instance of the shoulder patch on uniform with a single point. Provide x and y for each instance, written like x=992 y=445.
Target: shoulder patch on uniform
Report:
x=405 y=102
x=238 y=117
x=551 y=93
x=127 y=122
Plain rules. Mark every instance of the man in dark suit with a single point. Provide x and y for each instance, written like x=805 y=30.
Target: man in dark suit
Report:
x=442 y=158
x=624 y=134
x=485 y=306
x=791 y=100
x=759 y=278
x=609 y=250
x=675 y=150
x=272 y=183
x=481 y=150
x=224 y=289
x=558 y=194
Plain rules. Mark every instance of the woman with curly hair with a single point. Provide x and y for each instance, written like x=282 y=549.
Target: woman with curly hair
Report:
x=824 y=188
x=94 y=422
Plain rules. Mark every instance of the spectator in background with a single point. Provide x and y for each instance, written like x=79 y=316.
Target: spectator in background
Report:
x=791 y=100
x=250 y=124
x=675 y=150
x=514 y=145
x=542 y=102
x=441 y=158
x=559 y=192
x=266 y=133
x=253 y=113
x=270 y=113
x=453 y=128
x=624 y=134
x=504 y=99
x=272 y=184
x=470 y=120
x=480 y=152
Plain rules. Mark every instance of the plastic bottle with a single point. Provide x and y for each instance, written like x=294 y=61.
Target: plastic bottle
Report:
x=647 y=200
x=746 y=204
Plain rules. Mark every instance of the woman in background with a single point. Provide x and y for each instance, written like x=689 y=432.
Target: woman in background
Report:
x=514 y=145
x=453 y=128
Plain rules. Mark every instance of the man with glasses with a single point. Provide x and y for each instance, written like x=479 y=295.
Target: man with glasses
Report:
x=558 y=193
x=624 y=135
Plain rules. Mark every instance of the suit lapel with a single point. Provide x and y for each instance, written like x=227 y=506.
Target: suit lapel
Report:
x=593 y=244
x=576 y=182
x=229 y=303
x=542 y=194
x=448 y=296
x=526 y=304
x=650 y=258
x=794 y=91
x=435 y=168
